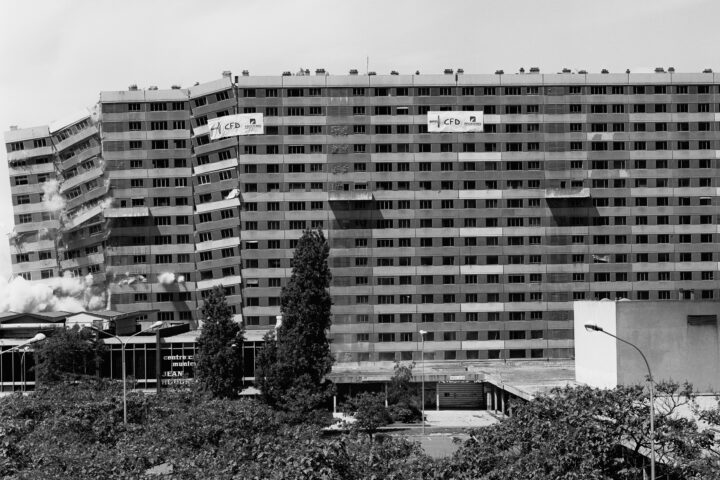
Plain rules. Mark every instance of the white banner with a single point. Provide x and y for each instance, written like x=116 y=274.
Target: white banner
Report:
x=234 y=125
x=455 y=122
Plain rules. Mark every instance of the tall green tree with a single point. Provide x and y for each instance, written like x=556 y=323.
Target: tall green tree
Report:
x=219 y=362
x=68 y=354
x=295 y=360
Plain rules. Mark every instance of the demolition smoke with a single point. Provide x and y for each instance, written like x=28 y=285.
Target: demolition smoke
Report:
x=64 y=294
x=52 y=200
x=166 y=278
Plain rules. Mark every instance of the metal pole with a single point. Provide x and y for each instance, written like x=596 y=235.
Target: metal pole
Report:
x=122 y=352
x=652 y=395
x=423 y=383
x=124 y=378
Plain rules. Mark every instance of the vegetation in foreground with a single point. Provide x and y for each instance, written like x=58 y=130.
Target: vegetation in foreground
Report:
x=72 y=426
x=75 y=430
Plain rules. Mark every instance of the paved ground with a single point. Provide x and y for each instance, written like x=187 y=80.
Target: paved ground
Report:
x=460 y=418
x=445 y=429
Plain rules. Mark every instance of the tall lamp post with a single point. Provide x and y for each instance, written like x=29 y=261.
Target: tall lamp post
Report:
x=122 y=350
x=422 y=392
x=595 y=328
x=37 y=338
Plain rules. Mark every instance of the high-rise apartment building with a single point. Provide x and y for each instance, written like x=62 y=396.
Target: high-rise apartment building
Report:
x=579 y=186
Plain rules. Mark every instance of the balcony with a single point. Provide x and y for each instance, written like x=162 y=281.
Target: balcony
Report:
x=567 y=193
x=126 y=212
x=350 y=195
x=83 y=217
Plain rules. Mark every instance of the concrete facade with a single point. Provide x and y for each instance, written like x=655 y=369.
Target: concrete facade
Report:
x=580 y=187
x=679 y=339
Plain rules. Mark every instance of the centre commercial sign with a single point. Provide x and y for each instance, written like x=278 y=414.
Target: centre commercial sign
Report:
x=457 y=122
x=236 y=125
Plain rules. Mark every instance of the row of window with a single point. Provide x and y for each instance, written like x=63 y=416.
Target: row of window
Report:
x=452 y=336
x=515 y=109
x=465 y=185
x=452 y=355
x=445 y=166
x=554 y=146
x=532 y=278
x=482 y=90
x=555 y=259
x=511 y=128
x=515 y=297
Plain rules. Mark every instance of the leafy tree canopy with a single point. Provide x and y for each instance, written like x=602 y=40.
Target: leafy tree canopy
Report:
x=403 y=395
x=68 y=354
x=292 y=368
x=369 y=412
x=219 y=362
x=586 y=433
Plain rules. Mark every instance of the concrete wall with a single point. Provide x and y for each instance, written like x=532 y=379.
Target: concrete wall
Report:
x=676 y=348
x=596 y=361
x=680 y=340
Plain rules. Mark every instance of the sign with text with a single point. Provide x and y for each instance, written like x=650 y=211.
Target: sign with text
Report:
x=177 y=369
x=235 y=125
x=445 y=122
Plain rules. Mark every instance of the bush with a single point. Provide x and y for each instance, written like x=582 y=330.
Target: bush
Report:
x=404 y=413
x=369 y=412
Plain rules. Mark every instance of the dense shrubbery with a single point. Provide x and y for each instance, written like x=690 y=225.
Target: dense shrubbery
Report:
x=75 y=430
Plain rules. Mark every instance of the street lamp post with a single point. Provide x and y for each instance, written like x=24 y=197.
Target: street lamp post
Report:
x=122 y=352
x=595 y=328
x=37 y=338
x=422 y=392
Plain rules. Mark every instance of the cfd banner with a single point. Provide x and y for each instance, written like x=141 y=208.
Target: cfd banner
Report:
x=234 y=125
x=455 y=121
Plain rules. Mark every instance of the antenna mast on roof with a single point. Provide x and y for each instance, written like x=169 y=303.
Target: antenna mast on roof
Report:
x=367 y=65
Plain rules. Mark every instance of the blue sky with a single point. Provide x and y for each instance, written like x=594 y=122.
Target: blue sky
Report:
x=58 y=55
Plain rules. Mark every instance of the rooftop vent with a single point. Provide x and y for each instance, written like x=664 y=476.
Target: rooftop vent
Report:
x=152 y=87
x=582 y=72
x=499 y=72
x=13 y=127
x=566 y=70
x=353 y=71
x=286 y=73
x=132 y=87
x=417 y=72
x=534 y=70
x=394 y=72
x=372 y=73
x=707 y=70
x=460 y=71
x=659 y=70
x=522 y=70
x=319 y=71
x=175 y=87
x=448 y=71
x=226 y=73
x=627 y=71
x=246 y=73
x=604 y=70
x=671 y=69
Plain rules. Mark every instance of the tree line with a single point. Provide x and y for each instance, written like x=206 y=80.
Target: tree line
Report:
x=569 y=433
